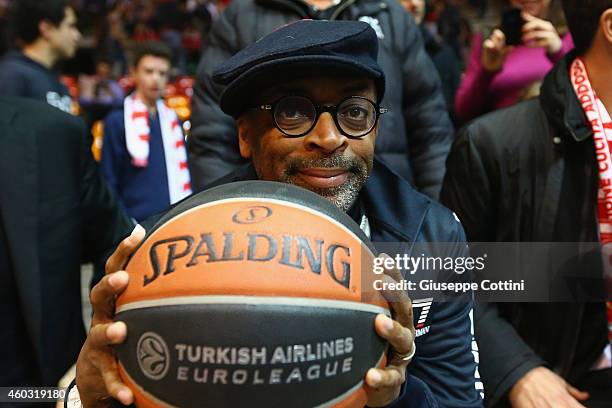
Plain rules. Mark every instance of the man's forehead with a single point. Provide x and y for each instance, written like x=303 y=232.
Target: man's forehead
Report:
x=312 y=86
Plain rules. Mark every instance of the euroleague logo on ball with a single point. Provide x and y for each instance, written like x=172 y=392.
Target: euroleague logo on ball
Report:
x=153 y=355
x=252 y=214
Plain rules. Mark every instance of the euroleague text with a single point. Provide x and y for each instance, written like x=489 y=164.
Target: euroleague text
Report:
x=264 y=365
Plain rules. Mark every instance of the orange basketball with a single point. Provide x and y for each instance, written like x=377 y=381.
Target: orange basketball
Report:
x=250 y=293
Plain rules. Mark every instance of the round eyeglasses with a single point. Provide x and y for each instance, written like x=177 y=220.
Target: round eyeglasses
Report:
x=295 y=116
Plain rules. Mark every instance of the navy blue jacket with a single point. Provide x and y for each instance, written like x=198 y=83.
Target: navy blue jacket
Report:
x=142 y=191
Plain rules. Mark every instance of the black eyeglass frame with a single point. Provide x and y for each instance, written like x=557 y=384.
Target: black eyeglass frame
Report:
x=319 y=109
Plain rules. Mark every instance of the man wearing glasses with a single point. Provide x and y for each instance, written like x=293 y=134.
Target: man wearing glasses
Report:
x=305 y=99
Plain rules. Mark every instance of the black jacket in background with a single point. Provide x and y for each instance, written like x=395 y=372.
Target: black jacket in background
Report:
x=528 y=174
x=56 y=213
x=414 y=137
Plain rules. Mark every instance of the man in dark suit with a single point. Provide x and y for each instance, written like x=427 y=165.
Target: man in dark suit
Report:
x=55 y=213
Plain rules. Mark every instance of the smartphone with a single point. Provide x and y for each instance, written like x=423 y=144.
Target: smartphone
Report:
x=512 y=26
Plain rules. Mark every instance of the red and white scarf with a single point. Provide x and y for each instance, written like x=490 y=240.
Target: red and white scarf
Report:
x=601 y=124
x=137 y=135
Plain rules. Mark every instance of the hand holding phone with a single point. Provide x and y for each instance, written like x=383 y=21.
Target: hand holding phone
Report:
x=537 y=32
x=494 y=51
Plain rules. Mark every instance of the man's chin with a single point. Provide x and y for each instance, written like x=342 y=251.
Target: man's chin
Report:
x=341 y=196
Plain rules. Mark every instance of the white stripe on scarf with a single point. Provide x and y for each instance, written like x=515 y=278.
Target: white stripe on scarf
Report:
x=137 y=135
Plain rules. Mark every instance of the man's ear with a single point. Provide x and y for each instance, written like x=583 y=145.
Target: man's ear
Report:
x=243 y=125
x=605 y=23
x=45 y=28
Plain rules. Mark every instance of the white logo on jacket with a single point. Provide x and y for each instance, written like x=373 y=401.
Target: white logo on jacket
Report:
x=375 y=24
x=420 y=309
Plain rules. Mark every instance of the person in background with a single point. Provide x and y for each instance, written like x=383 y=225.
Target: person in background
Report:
x=536 y=172
x=144 y=158
x=443 y=56
x=99 y=93
x=46 y=32
x=56 y=212
x=497 y=73
x=416 y=136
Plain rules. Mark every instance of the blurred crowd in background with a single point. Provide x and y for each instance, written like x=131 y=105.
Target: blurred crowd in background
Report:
x=98 y=74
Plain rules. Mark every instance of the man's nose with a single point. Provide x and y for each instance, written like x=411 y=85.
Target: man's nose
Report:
x=325 y=135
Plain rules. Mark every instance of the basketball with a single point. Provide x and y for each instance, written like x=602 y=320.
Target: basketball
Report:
x=250 y=293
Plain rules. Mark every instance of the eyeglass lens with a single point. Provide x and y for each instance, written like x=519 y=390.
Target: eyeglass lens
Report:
x=295 y=115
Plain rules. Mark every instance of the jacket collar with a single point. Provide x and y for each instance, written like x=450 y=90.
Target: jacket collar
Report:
x=393 y=205
x=560 y=103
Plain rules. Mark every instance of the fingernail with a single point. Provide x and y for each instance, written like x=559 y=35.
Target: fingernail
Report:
x=115 y=279
x=124 y=396
x=115 y=329
x=388 y=324
x=112 y=280
x=375 y=378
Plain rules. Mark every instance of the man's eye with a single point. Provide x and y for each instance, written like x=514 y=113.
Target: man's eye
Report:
x=354 y=113
x=293 y=114
x=357 y=113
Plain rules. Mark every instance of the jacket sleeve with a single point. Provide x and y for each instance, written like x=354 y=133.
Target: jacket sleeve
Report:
x=428 y=124
x=113 y=149
x=468 y=190
x=567 y=43
x=104 y=223
x=473 y=94
x=213 y=143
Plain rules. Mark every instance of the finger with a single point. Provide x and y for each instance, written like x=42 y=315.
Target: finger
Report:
x=576 y=393
x=119 y=258
x=528 y=17
x=107 y=334
x=532 y=36
x=102 y=295
x=387 y=378
x=401 y=305
x=498 y=35
x=540 y=25
x=399 y=337
x=113 y=383
x=392 y=272
x=489 y=45
x=499 y=39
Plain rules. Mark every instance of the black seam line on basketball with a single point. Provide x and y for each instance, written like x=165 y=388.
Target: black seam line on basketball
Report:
x=151 y=397
x=341 y=397
x=254 y=300
x=263 y=199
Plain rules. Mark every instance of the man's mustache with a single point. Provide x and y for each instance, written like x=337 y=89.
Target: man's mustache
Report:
x=336 y=161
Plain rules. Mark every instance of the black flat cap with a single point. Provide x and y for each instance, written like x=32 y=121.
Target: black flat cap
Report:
x=303 y=48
